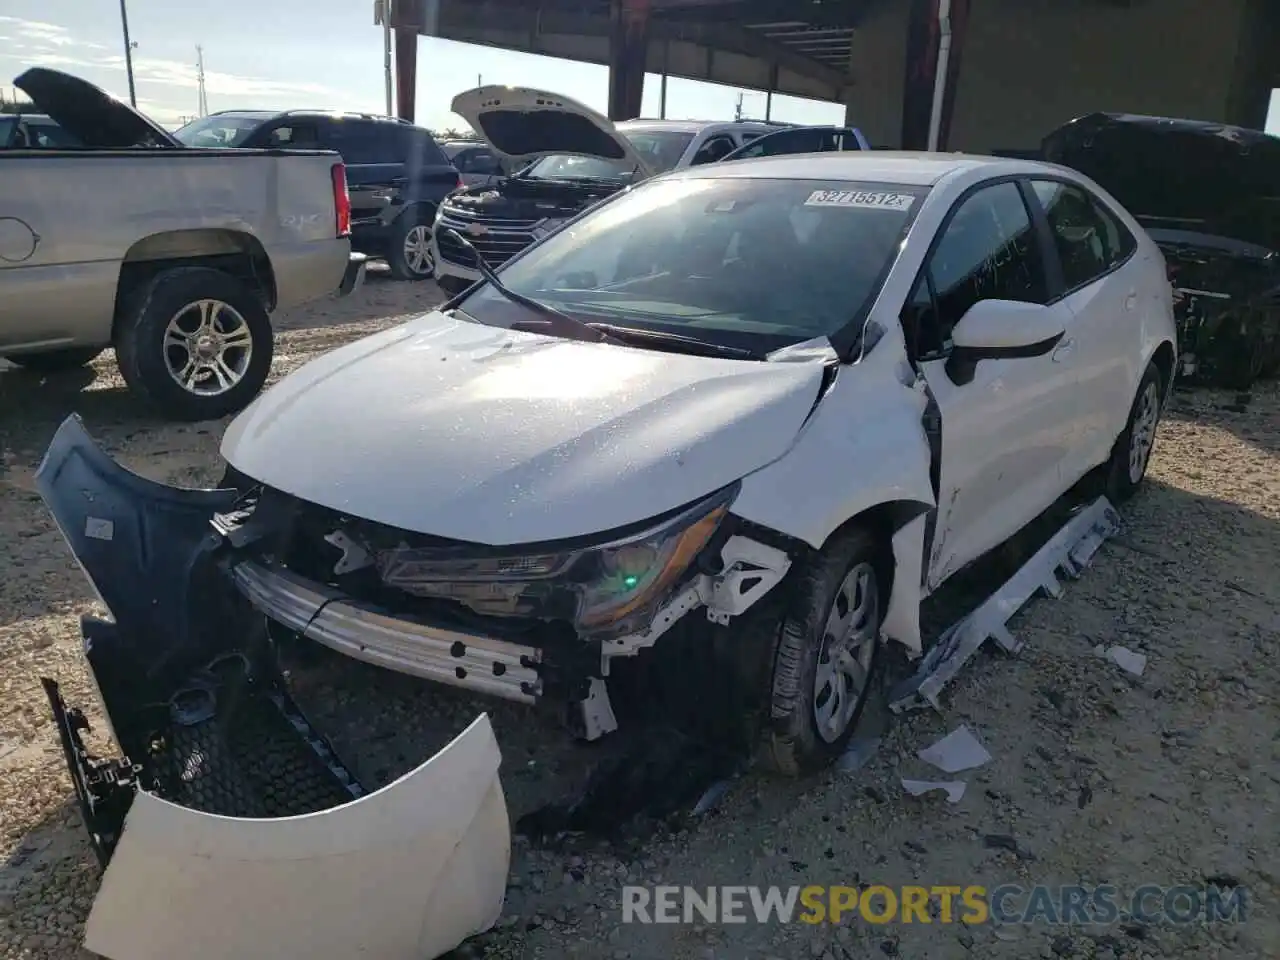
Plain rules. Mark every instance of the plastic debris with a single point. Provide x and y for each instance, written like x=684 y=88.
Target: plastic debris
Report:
x=711 y=798
x=1069 y=552
x=918 y=788
x=1124 y=658
x=858 y=754
x=958 y=750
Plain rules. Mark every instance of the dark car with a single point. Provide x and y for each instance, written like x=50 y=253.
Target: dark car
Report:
x=1209 y=195
x=396 y=172
x=801 y=140
x=33 y=131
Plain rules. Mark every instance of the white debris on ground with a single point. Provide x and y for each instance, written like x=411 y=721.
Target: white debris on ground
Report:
x=958 y=750
x=1096 y=773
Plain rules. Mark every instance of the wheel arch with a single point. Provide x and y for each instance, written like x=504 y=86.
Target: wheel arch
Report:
x=235 y=252
x=1165 y=361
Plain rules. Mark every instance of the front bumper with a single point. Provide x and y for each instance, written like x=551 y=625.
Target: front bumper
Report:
x=230 y=827
x=474 y=662
x=447 y=269
x=353 y=277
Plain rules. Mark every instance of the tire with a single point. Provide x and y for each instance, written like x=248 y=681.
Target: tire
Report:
x=199 y=303
x=409 y=233
x=794 y=742
x=56 y=361
x=1127 y=467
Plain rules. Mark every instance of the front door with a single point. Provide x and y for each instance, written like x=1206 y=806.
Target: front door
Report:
x=1006 y=432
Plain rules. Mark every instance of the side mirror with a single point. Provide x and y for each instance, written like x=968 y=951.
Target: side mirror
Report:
x=1002 y=330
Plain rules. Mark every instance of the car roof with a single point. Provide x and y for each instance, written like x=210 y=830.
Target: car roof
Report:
x=881 y=166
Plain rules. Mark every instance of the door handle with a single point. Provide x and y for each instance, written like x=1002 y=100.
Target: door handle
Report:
x=1063 y=350
x=1131 y=300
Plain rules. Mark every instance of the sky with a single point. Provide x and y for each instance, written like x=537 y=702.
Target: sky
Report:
x=316 y=53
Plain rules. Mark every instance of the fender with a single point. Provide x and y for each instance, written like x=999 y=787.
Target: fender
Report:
x=864 y=446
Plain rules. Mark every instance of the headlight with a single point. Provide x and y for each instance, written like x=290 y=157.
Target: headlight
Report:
x=599 y=587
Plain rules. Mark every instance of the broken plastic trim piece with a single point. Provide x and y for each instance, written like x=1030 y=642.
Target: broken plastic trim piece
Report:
x=229 y=805
x=1069 y=550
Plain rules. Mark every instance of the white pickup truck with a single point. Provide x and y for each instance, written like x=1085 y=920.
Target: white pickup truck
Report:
x=174 y=256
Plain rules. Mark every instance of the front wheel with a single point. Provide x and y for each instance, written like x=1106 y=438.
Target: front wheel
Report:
x=1132 y=451
x=196 y=343
x=409 y=255
x=826 y=657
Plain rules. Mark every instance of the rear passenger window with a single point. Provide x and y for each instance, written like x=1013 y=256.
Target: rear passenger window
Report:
x=295 y=136
x=988 y=251
x=1088 y=238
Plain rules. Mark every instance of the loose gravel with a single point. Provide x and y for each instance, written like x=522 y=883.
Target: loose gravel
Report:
x=1096 y=776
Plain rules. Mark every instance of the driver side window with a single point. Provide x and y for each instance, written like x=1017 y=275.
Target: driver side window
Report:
x=987 y=251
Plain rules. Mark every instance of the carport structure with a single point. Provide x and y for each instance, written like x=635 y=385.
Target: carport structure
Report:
x=1016 y=68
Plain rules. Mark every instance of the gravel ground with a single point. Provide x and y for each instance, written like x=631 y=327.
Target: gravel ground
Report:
x=1097 y=776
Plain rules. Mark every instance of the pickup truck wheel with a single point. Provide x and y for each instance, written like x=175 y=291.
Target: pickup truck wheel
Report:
x=195 y=343
x=827 y=653
x=409 y=254
x=56 y=361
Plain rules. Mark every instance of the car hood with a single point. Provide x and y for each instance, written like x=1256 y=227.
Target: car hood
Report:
x=481 y=434
x=523 y=124
x=89 y=113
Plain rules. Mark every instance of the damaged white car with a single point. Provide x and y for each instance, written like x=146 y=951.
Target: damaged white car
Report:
x=764 y=408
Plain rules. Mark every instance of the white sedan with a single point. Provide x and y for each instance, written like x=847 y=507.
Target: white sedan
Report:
x=747 y=415
x=765 y=407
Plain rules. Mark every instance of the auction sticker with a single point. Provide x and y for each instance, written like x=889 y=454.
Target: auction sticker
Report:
x=860 y=199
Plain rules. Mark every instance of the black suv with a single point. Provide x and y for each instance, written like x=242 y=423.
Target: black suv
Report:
x=396 y=173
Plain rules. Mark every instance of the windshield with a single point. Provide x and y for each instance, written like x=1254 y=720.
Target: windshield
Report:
x=660 y=149
x=218 y=131
x=745 y=262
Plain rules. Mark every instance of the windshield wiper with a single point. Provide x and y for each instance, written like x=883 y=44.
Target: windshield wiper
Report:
x=570 y=325
x=686 y=344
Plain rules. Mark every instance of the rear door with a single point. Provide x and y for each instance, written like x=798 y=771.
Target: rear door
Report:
x=1103 y=293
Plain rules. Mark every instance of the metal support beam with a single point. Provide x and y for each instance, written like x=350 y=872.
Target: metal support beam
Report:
x=407 y=21
x=768 y=94
x=628 y=53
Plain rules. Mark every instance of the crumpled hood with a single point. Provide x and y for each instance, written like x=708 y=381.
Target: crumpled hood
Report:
x=476 y=433
x=89 y=113
x=523 y=124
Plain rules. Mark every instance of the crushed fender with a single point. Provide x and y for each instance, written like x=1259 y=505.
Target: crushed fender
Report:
x=1070 y=551
x=229 y=827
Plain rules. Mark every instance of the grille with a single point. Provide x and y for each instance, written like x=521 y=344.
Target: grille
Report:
x=497 y=240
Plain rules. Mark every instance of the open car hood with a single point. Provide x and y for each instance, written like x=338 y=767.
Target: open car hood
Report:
x=89 y=113
x=523 y=124
x=1214 y=178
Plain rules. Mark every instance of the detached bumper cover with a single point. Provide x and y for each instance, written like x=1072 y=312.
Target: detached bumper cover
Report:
x=230 y=828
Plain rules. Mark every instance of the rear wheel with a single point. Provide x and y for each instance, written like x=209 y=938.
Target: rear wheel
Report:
x=1132 y=451
x=56 y=361
x=827 y=653
x=409 y=254
x=196 y=343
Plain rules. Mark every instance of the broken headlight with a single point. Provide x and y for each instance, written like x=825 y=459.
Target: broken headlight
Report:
x=601 y=587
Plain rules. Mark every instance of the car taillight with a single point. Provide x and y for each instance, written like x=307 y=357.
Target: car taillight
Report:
x=341 y=200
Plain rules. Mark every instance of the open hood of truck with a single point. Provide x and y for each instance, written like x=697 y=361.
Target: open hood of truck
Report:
x=523 y=124
x=89 y=113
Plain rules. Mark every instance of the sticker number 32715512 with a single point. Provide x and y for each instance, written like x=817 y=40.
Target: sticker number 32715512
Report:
x=862 y=199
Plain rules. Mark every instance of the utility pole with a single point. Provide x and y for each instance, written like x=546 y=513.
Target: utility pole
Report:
x=202 y=101
x=737 y=111
x=128 y=54
x=479 y=80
